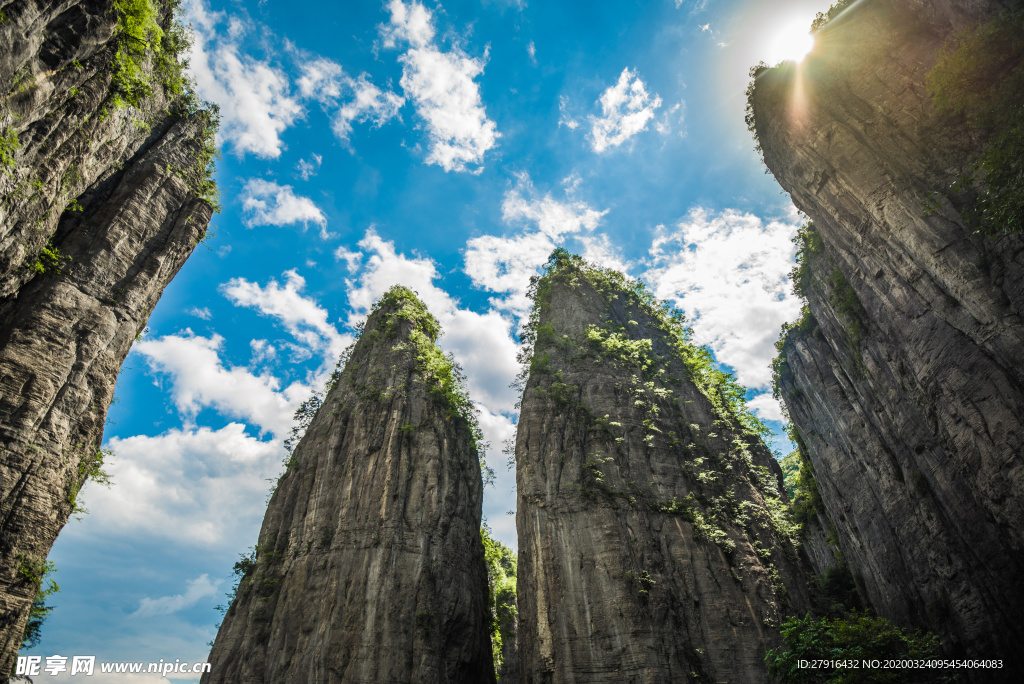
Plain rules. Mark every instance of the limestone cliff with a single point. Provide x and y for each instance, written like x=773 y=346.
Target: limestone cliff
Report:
x=369 y=566
x=904 y=378
x=103 y=172
x=654 y=543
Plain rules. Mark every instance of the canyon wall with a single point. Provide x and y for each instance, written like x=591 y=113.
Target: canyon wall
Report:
x=104 y=193
x=654 y=539
x=904 y=377
x=370 y=566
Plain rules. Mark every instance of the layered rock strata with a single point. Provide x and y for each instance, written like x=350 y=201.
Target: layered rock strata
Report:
x=654 y=542
x=369 y=566
x=904 y=379
x=101 y=202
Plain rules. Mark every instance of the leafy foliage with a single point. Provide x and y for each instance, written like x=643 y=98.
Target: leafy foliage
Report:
x=501 y=598
x=8 y=146
x=857 y=637
x=50 y=260
x=90 y=468
x=37 y=571
x=138 y=34
x=823 y=18
x=979 y=75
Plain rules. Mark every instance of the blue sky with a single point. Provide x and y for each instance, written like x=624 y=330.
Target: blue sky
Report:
x=448 y=147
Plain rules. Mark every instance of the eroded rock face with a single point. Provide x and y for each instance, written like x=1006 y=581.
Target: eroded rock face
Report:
x=906 y=381
x=653 y=537
x=113 y=194
x=370 y=566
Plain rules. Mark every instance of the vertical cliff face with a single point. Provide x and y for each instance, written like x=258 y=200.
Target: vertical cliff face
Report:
x=101 y=201
x=904 y=379
x=653 y=540
x=369 y=566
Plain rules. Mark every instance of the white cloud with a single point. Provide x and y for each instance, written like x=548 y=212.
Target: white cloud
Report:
x=196 y=589
x=626 y=108
x=262 y=351
x=307 y=168
x=442 y=87
x=198 y=487
x=268 y=204
x=765 y=406
x=729 y=273
x=563 y=119
x=203 y=313
x=354 y=99
x=504 y=264
x=531 y=50
x=302 y=317
x=254 y=97
x=352 y=259
x=200 y=380
x=369 y=103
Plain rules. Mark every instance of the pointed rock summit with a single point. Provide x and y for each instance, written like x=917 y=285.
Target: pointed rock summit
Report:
x=654 y=542
x=369 y=566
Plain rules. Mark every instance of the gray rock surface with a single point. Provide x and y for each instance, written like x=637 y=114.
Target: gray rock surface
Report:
x=907 y=386
x=369 y=566
x=653 y=542
x=68 y=319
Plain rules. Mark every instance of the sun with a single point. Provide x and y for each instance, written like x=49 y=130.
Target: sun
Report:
x=791 y=41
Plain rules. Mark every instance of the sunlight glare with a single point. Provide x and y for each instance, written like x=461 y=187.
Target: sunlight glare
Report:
x=792 y=42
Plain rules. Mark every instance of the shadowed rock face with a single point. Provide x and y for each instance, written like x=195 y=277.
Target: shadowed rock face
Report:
x=370 y=566
x=68 y=317
x=906 y=383
x=653 y=542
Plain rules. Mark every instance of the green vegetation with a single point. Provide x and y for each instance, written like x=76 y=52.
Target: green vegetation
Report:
x=90 y=468
x=501 y=593
x=823 y=18
x=8 y=146
x=857 y=637
x=979 y=75
x=36 y=571
x=138 y=34
x=790 y=465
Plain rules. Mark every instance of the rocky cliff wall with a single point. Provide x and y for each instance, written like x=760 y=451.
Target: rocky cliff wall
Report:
x=904 y=379
x=654 y=542
x=370 y=566
x=102 y=187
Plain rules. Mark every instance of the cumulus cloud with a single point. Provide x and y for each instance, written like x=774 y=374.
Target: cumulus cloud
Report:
x=307 y=168
x=196 y=589
x=730 y=273
x=254 y=96
x=563 y=118
x=200 y=380
x=352 y=99
x=441 y=86
x=766 y=407
x=301 y=316
x=504 y=264
x=203 y=313
x=266 y=203
x=626 y=109
x=352 y=259
x=193 y=486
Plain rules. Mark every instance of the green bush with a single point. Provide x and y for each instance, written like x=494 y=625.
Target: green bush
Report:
x=501 y=596
x=979 y=75
x=37 y=572
x=855 y=638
